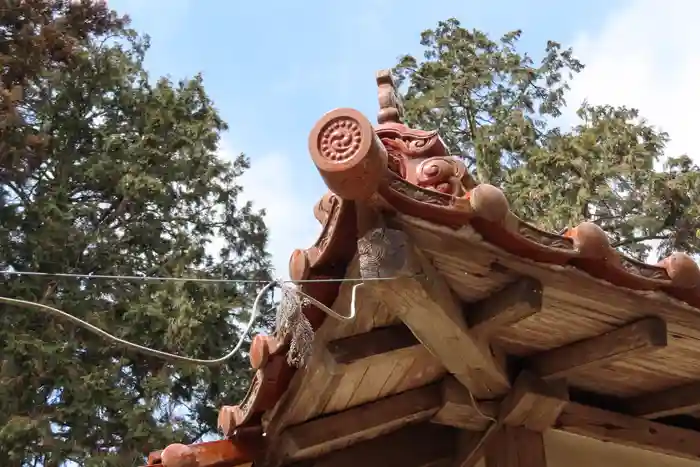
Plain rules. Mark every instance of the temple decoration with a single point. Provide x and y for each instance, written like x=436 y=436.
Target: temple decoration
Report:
x=348 y=154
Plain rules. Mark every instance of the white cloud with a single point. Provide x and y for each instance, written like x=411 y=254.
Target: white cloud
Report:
x=270 y=185
x=644 y=55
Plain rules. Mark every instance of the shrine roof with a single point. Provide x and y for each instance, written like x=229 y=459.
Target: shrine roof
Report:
x=410 y=176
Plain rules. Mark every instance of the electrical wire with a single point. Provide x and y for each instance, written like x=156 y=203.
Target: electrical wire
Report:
x=184 y=279
x=143 y=349
x=179 y=358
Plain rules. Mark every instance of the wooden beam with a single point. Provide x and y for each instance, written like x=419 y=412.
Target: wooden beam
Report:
x=515 y=302
x=423 y=445
x=630 y=431
x=641 y=336
x=462 y=411
x=425 y=303
x=674 y=401
x=515 y=446
x=532 y=404
x=503 y=446
x=471 y=445
x=332 y=432
x=383 y=342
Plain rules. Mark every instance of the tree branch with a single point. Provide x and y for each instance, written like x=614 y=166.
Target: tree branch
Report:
x=632 y=240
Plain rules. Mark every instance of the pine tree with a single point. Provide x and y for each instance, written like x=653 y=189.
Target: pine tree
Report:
x=497 y=108
x=106 y=171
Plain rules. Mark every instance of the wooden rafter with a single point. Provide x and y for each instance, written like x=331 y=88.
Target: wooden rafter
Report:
x=433 y=319
x=425 y=303
x=333 y=361
x=641 y=336
x=517 y=301
x=377 y=343
x=674 y=401
x=424 y=445
x=331 y=432
x=532 y=406
x=629 y=431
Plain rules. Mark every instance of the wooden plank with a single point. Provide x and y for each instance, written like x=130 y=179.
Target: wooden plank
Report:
x=506 y=307
x=397 y=375
x=679 y=400
x=425 y=303
x=372 y=382
x=376 y=343
x=332 y=432
x=629 y=431
x=366 y=363
x=641 y=336
x=515 y=447
x=424 y=370
x=343 y=391
x=413 y=446
x=361 y=382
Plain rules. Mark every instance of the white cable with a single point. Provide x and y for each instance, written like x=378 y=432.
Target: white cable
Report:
x=187 y=279
x=140 y=348
x=179 y=358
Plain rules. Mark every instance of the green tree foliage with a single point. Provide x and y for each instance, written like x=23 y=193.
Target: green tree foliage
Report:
x=498 y=107
x=104 y=171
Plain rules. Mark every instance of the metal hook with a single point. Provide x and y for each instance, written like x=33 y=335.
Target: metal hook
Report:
x=328 y=310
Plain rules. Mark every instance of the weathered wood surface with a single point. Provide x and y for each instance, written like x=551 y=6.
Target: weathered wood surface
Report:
x=516 y=447
x=574 y=307
x=333 y=432
x=424 y=302
x=413 y=446
x=467 y=306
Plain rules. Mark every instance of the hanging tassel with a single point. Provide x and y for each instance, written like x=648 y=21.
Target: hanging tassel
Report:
x=294 y=326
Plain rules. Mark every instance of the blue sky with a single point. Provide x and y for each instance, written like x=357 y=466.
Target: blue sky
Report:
x=273 y=68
